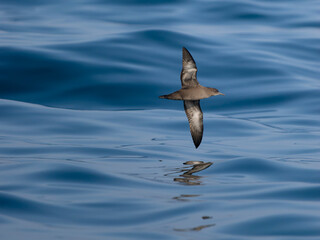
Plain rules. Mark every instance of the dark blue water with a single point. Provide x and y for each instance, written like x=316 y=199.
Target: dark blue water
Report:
x=88 y=151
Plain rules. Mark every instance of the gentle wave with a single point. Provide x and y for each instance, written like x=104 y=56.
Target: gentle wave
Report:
x=89 y=151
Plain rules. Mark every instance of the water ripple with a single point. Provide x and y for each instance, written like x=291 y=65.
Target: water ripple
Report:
x=88 y=151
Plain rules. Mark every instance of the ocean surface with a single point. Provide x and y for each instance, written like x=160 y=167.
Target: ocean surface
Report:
x=89 y=151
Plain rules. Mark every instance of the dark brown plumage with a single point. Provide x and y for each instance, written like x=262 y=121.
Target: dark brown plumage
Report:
x=191 y=92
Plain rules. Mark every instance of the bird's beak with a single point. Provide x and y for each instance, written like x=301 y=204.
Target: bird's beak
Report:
x=220 y=93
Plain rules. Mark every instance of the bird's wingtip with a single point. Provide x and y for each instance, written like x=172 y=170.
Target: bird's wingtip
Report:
x=197 y=143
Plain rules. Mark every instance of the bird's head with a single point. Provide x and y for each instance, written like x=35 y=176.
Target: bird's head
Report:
x=215 y=92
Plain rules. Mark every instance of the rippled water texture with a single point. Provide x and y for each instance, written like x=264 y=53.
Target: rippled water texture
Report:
x=88 y=151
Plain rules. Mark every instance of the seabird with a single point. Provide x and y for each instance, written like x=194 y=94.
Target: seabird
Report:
x=191 y=92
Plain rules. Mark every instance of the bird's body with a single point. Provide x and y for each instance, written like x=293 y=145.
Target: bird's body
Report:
x=191 y=93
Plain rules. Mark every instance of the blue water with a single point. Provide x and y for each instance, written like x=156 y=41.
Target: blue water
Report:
x=88 y=151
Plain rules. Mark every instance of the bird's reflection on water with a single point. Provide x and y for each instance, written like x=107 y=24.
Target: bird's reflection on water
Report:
x=184 y=197
x=187 y=177
x=198 y=228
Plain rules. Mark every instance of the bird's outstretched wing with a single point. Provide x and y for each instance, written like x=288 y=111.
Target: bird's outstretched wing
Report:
x=189 y=70
x=195 y=118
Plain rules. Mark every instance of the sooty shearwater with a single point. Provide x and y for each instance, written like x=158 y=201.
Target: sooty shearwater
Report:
x=191 y=92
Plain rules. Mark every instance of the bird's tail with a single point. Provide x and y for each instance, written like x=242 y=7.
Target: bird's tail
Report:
x=172 y=96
